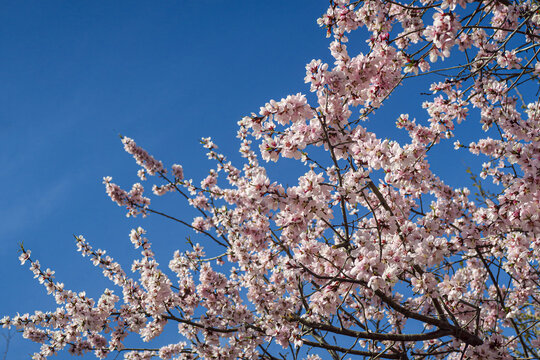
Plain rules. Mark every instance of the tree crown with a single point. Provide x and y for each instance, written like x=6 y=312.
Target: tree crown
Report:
x=350 y=261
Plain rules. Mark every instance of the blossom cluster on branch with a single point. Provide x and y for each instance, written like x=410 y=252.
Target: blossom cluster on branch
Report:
x=350 y=261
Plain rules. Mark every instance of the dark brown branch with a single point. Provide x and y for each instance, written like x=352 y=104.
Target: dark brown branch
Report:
x=456 y=331
x=184 y=223
x=369 y=335
x=335 y=161
x=200 y=326
x=352 y=351
x=8 y=339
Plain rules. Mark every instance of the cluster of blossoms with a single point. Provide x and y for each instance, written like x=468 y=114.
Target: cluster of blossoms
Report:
x=348 y=259
x=133 y=200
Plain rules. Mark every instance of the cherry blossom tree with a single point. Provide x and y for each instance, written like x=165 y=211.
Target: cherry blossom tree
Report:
x=369 y=253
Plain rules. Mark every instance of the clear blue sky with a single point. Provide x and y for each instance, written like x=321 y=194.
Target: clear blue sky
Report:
x=75 y=74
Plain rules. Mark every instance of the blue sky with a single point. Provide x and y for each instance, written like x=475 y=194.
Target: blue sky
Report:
x=76 y=74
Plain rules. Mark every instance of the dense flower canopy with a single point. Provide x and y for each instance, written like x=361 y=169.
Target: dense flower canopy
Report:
x=370 y=254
